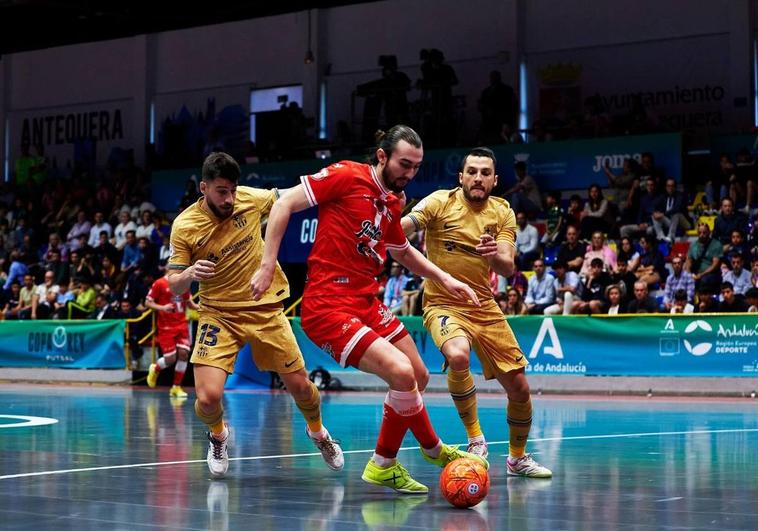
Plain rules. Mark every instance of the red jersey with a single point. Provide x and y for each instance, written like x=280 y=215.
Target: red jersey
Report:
x=161 y=294
x=358 y=220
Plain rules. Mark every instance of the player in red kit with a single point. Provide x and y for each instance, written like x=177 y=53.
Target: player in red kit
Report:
x=358 y=222
x=172 y=335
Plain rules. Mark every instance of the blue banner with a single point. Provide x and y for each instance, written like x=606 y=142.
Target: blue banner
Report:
x=63 y=344
x=666 y=345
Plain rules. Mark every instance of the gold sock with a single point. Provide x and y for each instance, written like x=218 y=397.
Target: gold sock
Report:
x=462 y=389
x=214 y=421
x=311 y=409
x=519 y=424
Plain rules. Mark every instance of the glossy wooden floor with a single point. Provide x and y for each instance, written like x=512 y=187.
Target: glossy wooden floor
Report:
x=130 y=459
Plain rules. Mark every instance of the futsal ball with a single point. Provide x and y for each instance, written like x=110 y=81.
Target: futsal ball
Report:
x=464 y=482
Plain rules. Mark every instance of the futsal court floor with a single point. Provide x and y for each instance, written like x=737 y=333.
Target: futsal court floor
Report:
x=130 y=458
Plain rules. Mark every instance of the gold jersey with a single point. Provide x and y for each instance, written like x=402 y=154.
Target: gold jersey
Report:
x=453 y=227
x=233 y=244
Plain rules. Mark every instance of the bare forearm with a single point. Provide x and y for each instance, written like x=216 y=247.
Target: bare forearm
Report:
x=179 y=281
x=277 y=225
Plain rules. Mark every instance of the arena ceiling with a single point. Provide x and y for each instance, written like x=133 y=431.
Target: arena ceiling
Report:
x=36 y=24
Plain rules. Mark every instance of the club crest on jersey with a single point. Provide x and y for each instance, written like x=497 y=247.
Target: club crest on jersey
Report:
x=491 y=230
x=324 y=173
x=386 y=315
x=239 y=221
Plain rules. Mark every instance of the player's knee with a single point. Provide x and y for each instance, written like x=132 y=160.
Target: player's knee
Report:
x=457 y=357
x=208 y=398
x=402 y=377
x=422 y=378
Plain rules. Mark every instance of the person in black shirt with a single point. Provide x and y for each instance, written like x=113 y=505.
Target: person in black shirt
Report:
x=571 y=251
x=642 y=302
x=731 y=303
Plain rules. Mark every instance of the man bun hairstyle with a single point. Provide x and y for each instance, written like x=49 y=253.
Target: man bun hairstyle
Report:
x=387 y=141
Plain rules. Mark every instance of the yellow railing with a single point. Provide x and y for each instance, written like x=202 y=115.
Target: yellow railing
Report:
x=149 y=335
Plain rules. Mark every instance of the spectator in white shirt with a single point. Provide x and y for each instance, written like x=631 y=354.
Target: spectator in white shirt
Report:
x=145 y=230
x=566 y=286
x=99 y=226
x=527 y=242
x=126 y=224
x=82 y=226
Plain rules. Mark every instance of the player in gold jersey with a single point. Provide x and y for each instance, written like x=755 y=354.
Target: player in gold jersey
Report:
x=469 y=232
x=217 y=241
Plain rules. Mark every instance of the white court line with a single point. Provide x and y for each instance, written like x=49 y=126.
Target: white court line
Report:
x=312 y=454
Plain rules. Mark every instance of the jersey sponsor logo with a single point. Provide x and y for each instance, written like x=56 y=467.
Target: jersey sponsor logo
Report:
x=370 y=230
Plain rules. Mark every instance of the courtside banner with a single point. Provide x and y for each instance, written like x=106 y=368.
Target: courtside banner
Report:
x=665 y=345
x=63 y=344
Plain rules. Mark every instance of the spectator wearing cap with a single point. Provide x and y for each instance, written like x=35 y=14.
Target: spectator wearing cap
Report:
x=738 y=276
x=678 y=280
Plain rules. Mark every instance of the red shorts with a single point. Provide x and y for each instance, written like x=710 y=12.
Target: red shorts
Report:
x=168 y=339
x=344 y=327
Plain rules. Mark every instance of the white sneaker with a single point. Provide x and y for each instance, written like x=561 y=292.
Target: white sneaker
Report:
x=330 y=450
x=218 y=458
x=478 y=447
x=527 y=467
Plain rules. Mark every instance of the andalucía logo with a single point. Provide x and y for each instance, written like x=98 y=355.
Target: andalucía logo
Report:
x=699 y=349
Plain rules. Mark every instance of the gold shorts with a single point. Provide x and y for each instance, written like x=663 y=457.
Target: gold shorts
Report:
x=485 y=329
x=221 y=335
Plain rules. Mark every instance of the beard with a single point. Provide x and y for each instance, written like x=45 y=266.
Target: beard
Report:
x=478 y=199
x=398 y=185
x=220 y=214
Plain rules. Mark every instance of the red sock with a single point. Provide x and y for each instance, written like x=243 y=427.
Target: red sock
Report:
x=179 y=369
x=421 y=427
x=391 y=433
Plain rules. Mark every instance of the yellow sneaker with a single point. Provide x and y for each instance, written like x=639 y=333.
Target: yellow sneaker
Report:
x=152 y=375
x=177 y=392
x=394 y=477
x=450 y=453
